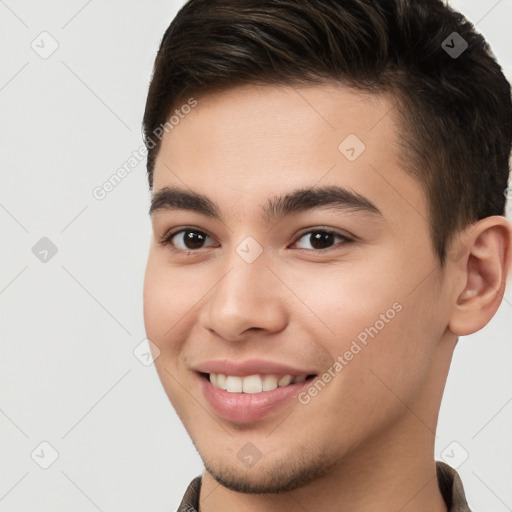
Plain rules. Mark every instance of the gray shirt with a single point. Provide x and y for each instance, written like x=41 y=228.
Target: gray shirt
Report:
x=448 y=479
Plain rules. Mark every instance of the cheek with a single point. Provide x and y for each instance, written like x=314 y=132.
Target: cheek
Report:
x=168 y=302
x=155 y=299
x=165 y=317
x=383 y=333
x=343 y=303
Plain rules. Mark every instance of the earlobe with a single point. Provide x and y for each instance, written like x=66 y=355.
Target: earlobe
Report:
x=485 y=265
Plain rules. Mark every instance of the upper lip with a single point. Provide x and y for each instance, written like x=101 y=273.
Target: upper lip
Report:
x=250 y=367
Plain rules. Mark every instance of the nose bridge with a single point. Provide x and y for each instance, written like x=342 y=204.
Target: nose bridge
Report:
x=245 y=285
x=246 y=296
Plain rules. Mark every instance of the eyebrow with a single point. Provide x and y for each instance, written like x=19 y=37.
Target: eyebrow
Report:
x=296 y=201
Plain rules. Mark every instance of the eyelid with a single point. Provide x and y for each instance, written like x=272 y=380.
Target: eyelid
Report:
x=165 y=239
x=348 y=239
x=327 y=229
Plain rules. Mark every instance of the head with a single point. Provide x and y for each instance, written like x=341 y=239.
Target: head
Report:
x=269 y=123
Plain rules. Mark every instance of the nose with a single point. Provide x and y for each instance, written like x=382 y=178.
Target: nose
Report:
x=248 y=297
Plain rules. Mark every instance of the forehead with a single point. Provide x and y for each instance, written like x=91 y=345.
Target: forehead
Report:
x=278 y=119
x=254 y=141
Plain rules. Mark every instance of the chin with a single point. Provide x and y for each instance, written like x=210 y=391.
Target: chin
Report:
x=267 y=478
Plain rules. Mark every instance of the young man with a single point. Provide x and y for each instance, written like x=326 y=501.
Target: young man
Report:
x=328 y=188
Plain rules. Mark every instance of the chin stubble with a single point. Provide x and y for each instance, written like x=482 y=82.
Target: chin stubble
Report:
x=283 y=476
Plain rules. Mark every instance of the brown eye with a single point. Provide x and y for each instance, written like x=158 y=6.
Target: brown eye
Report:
x=321 y=239
x=185 y=239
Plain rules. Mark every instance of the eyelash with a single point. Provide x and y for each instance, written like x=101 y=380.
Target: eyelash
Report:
x=166 y=239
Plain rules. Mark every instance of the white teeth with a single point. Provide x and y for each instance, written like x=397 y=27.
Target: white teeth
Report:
x=233 y=384
x=269 y=382
x=221 y=380
x=252 y=383
x=284 y=381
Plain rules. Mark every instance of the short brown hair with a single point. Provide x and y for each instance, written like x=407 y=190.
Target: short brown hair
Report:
x=455 y=111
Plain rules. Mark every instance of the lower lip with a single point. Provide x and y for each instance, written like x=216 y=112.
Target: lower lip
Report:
x=248 y=407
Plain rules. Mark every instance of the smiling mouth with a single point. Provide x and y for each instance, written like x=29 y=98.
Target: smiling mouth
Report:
x=253 y=384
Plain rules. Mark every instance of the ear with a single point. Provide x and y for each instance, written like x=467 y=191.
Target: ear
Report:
x=480 y=259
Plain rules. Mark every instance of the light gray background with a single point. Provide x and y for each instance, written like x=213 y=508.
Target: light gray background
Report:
x=69 y=326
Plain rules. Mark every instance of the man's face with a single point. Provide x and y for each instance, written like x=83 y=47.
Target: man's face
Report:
x=281 y=289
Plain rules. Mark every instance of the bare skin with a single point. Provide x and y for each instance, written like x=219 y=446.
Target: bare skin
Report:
x=366 y=440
